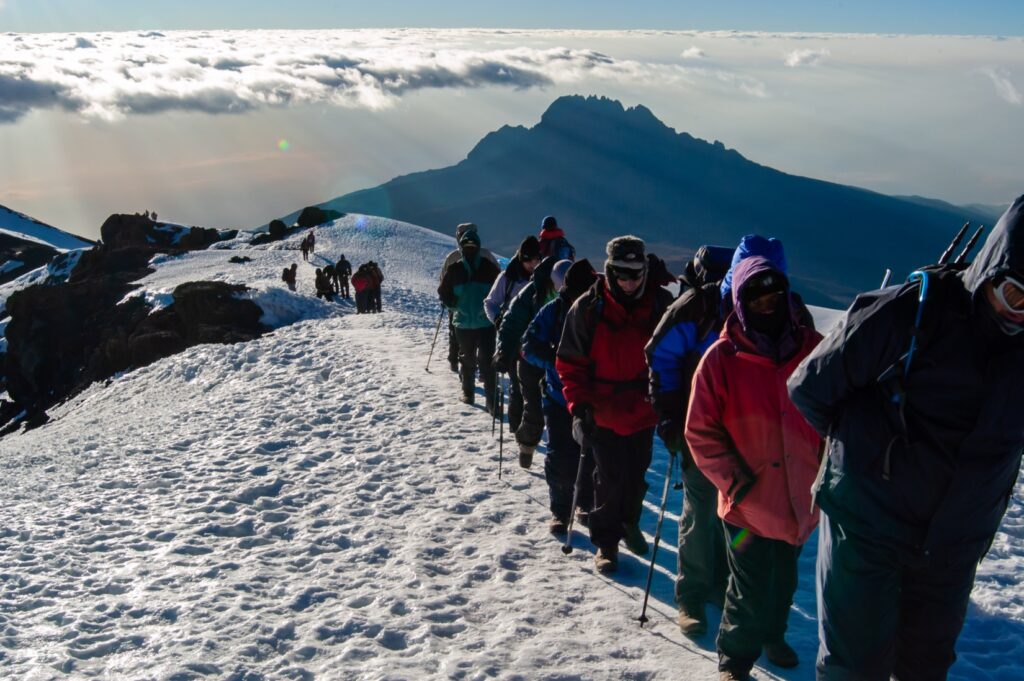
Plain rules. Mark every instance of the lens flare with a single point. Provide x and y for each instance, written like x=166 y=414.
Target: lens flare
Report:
x=740 y=539
x=284 y=145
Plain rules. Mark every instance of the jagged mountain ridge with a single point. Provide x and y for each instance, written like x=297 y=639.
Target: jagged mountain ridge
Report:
x=27 y=243
x=604 y=170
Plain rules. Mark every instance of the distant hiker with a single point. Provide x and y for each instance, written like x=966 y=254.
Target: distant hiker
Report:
x=510 y=282
x=540 y=344
x=464 y=285
x=329 y=274
x=553 y=243
x=455 y=256
x=304 y=247
x=524 y=307
x=289 y=276
x=377 y=278
x=602 y=364
x=690 y=326
x=755 y=448
x=921 y=464
x=312 y=241
x=342 y=271
x=323 y=286
x=361 y=282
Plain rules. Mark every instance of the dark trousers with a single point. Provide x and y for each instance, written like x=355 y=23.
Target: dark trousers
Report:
x=476 y=347
x=883 y=611
x=375 y=299
x=703 y=569
x=562 y=463
x=619 y=486
x=453 y=341
x=362 y=301
x=531 y=427
x=762 y=581
x=515 y=398
x=343 y=286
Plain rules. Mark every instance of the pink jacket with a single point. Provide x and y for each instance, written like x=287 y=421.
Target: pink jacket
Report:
x=741 y=423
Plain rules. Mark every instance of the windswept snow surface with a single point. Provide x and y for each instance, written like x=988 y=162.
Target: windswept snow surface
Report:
x=313 y=504
x=23 y=227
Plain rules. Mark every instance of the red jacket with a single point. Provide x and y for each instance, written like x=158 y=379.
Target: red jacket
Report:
x=741 y=423
x=601 y=358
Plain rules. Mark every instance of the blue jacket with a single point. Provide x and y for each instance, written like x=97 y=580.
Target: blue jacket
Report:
x=754 y=244
x=541 y=341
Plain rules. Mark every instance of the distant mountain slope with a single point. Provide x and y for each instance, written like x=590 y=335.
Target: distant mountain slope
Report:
x=605 y=170
x=27 y=244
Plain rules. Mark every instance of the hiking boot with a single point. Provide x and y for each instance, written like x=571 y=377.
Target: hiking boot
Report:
x=635 y=541
x=733 y=675
x=781 y=655
x=468 y=398
x=693 y=621
x=558 y=525
x=606 y=561
x=583 y=517
x=454 y=364
x=526 y=455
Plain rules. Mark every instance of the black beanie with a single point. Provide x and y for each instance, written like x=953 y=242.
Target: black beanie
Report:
x=549 y=223
x=579 y=278
x=529 y=249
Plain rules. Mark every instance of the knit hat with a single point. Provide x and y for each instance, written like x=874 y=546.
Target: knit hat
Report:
x=558 y=273
x=529 y=249
x=469 y=240
x=549 y=222
x=578 y=278
x=462 y=229
x=626 y=252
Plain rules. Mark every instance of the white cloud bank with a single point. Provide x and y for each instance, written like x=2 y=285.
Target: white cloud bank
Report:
x=805 y=57
x=112 y=75
x=1005 y=88
x=693 y=52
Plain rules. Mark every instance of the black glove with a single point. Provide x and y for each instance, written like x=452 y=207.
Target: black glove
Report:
x=742 y=482
x=583 y=424
x=670 y=430
x=501 y=363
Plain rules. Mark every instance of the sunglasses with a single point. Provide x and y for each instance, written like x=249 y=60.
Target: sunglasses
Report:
x=1010 y=292
x=627 y=274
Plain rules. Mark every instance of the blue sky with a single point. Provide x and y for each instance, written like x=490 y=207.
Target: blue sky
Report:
x=979 y=17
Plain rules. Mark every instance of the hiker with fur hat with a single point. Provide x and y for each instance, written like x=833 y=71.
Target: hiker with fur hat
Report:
x=689 y=327
x=603 y=367
x=463 y=287
x=543 y=287
x=923 y=454
x=553 y=243
x=455 y=256
x=540 y=344
x=746 y=437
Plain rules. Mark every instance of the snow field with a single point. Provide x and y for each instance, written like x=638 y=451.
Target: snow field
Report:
x=313 y=504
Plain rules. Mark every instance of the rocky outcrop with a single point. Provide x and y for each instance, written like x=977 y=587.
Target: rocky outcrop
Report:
x=62 y=338
x=18 y=256
x=311 y=216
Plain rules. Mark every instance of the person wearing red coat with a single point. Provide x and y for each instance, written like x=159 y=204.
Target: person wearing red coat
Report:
x=603 y=367
x=762 y=456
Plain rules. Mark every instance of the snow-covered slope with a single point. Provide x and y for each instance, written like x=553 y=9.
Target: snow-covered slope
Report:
x=314 y=504
x=21 y=226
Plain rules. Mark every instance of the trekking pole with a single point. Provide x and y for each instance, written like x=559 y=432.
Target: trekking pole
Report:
x=657 y=540
x=567 y=547
x=436 y=331
x=496 y=402
x=501 y=425
x=886 y=278
x=970 y=245
x=948 y=253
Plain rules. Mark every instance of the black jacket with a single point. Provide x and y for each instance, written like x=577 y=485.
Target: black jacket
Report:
x=939 y=476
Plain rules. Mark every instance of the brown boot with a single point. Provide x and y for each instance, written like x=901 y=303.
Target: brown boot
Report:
x=693 y=621
x=607 y=560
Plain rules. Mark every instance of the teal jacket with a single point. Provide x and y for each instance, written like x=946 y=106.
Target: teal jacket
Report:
x=464 y=285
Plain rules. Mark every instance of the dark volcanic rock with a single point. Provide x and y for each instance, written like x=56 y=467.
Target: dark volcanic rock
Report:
x=311 y=216
x=62 y=338
x=18 y=256
x=137 y=230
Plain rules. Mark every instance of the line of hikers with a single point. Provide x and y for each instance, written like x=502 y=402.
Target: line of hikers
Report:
x=901 y=427
x=331 y=280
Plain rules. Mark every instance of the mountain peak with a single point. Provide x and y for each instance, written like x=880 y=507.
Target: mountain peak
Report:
x=568 y=112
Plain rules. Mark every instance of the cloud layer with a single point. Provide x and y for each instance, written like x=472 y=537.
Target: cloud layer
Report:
x=805 y=57
x=112 y=75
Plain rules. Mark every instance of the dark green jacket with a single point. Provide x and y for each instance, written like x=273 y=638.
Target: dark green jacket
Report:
x=464 y=286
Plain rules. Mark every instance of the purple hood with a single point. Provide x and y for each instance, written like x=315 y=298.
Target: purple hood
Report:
x=746 y=270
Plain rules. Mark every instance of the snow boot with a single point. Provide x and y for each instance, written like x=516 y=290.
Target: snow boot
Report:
x=693 y=621
x=781 y=654
x=558 y=525
x=733 y=675
x=635 y=540
x=454 y=364
x=526 y=455
x=468 y=398
x=607 y=560
x=583 y=517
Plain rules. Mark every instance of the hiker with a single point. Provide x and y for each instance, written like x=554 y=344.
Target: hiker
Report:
x=463 y=287
x=342 y=271
x=304 y=247
x=510 y=282
x=288 y=276
x=762 y=457
x=361 y=282
x=690 y=326
x=455 y=256
x=553 y=243
x=921 y=465
x=603 y=367
x=376 y=279
x=329 y=275
x=542 y=288
x=311 y=239
x=563 y=456
x=323 y=286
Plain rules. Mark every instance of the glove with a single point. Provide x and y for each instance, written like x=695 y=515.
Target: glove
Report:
x=501 y=363
x=670 y=430
x=583 y=424
x=742 y=482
